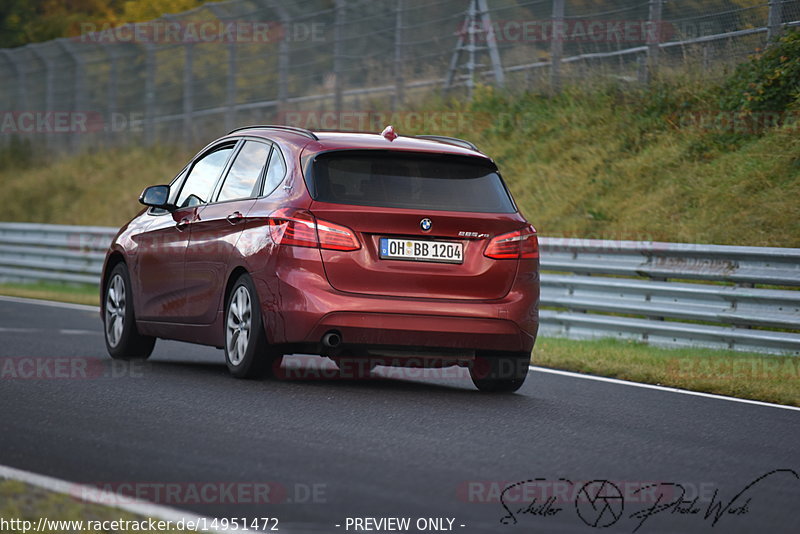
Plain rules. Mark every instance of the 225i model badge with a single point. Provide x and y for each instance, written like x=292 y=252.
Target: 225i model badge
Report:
x=425 y=224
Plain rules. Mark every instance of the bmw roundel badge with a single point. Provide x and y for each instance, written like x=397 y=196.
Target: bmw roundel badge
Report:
x=425 y=224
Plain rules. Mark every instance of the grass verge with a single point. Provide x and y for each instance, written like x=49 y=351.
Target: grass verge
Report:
x=20 y=503
x=736 y=374
x=77 y=294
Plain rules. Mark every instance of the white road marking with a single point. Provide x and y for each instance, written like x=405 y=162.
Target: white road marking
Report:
x=658 y=388
x=96 y=496
x=530 y=368
x=51 y=304
x=63 y=331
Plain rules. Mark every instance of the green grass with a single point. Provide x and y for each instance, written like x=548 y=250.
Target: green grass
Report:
x=736 y=374
x=77 y=294
x=23 y=502
x=592 y=163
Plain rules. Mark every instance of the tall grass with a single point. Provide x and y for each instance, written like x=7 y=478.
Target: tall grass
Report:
x=599 y=162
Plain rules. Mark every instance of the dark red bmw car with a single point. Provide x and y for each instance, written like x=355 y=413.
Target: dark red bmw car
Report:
x=372 y=248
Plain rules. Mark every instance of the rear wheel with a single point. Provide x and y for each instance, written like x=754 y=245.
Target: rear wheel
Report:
x=247 y=352
x=502 y=372
x=123 y=340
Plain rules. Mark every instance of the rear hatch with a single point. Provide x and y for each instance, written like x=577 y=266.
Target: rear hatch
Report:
x=423 y=222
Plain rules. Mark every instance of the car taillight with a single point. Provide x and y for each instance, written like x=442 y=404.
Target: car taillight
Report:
x=301 y=229
x=513 y=245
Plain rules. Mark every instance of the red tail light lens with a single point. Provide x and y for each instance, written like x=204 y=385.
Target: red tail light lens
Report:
x=301 y=229
x=336 y=237
x=514 y=245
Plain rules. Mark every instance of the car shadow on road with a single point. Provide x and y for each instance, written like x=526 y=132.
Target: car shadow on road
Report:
x=322 y=373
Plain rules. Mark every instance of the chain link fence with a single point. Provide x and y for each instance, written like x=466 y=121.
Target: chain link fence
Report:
x=187 y=77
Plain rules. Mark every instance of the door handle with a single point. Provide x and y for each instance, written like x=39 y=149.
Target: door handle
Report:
x=183 y=223
x=235 y=217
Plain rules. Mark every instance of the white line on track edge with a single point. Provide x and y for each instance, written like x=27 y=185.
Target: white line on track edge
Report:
x=103 y=498
x=658 y=388
x=51 y=303
x=530 y=368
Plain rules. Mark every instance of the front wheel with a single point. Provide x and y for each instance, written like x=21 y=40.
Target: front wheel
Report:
x=247 y=352
x=123 y=340
x=502 y=372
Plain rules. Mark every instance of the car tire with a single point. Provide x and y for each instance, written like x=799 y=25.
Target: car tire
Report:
x=499 y=372
x=247 y=352
x=123 y=340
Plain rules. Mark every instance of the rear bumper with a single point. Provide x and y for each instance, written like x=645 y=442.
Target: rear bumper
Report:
x=394 y=329
x=300 y=306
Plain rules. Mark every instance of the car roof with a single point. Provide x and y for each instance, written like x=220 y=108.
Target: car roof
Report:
x=322 y=141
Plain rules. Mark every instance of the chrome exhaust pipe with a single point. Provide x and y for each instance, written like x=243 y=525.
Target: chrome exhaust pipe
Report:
x=332 y=340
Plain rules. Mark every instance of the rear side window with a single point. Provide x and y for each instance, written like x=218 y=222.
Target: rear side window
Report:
x=415 y=181
x=275 y=173
x=243 y=177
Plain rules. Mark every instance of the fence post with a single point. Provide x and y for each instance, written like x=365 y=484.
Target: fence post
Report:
x=79 y=89
x=21 y=96
x=188 y=93
x=111 y=94
x=556 y=45
x=491 y=43
x=338 y=48
x=774 y=20
x=283 y=64
x=399 y=84
x=149 y=93
x=48 y=87
x=230 y=86
x=653 y=38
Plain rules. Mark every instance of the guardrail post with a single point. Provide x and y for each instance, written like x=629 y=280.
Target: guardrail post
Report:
x=774 y=18
x=556 y=45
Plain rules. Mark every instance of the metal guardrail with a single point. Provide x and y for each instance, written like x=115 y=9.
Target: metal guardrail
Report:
x=669 y=294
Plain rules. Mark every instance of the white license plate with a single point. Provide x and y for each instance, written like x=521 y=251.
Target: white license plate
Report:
x=416 y=250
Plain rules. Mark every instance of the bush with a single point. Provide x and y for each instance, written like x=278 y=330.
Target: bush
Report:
x=770 y=81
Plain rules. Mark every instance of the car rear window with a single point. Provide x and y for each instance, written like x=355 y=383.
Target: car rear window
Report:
x=415 y=181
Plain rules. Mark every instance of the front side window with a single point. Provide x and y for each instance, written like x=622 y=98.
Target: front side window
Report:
x=200 y=182
x=243 y=178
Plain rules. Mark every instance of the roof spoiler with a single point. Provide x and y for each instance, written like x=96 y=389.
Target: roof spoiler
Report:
x=450 y=141
x=293 y=129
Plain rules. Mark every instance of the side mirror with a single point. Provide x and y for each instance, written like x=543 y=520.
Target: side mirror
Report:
x=156 y=196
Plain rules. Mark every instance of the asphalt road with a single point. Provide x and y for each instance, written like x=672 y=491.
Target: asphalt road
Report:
x=432 y=447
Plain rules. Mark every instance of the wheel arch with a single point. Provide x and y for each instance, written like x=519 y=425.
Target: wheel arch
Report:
x=115 y=257
x=232 y=277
